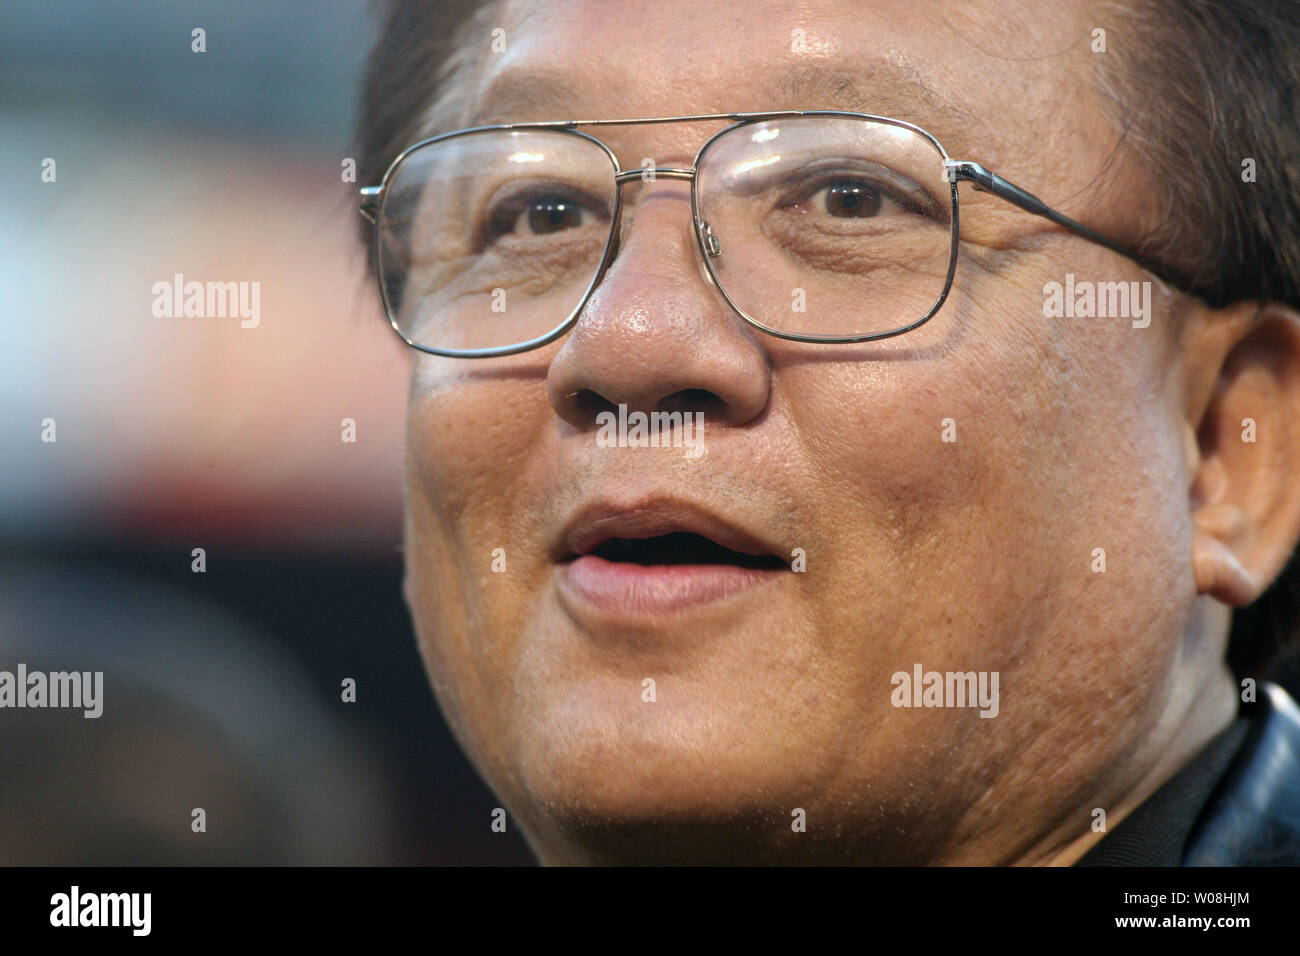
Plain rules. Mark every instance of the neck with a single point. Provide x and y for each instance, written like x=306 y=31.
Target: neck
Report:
x=1191 y=722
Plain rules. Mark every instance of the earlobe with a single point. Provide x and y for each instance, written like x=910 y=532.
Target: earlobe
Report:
x=1219 y=572
x=1245 y=493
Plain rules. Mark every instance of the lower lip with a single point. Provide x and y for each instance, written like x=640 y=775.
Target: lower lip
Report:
x=624 y=588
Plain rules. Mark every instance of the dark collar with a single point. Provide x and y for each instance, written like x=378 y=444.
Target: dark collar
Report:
x=1237 y=803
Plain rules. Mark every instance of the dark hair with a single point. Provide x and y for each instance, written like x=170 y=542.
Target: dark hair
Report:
x=421 y=48
x=1196 y=86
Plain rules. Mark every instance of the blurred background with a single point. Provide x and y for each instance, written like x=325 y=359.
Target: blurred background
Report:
x=223 y=687
x=129 y=158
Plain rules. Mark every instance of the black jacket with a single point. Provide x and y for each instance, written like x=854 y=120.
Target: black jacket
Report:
x=1236 y=804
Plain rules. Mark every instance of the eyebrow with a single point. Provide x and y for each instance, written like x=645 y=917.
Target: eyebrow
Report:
x=881 y=87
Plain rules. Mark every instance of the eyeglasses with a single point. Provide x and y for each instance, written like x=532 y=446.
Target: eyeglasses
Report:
x=814 y=225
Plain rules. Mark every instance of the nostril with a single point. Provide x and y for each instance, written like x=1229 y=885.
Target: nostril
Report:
x=694 y=400
x=588 y=404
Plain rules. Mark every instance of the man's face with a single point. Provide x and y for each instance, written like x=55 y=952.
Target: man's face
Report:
x=948 y=489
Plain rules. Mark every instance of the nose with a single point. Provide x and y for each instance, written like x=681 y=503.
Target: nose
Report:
x=656 y=336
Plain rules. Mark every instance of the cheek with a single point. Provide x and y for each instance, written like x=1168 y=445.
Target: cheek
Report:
x=985 y=487
x=471 y=499
x=478 y=440
x=466 y=439
x=472 y=449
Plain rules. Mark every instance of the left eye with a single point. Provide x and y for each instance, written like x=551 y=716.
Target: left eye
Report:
x=846 y=195
x=850 y=200
x=847 y=199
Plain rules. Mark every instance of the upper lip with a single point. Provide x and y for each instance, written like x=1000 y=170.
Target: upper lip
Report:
x=592 y=525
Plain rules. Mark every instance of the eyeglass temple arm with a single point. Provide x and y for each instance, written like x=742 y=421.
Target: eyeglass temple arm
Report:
x=987 y=181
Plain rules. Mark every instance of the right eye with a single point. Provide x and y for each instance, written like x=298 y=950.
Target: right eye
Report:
x=541 y=214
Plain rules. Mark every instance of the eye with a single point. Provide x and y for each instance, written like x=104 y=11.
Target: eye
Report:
x=848 y=194
x=847 y=198
x=540 y=215
x=551 y=214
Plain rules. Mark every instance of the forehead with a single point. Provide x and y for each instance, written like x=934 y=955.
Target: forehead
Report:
x=974 y=72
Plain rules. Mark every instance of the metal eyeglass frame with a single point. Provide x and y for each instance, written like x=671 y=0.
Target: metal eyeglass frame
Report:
x=372 y=200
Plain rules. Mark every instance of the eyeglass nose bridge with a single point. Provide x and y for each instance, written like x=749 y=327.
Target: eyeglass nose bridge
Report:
x=651 y=173
x=709 y=243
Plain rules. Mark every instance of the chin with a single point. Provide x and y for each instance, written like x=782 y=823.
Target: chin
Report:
x=591 y=753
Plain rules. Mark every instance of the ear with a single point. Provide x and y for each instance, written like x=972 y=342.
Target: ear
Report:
x=1244 y=408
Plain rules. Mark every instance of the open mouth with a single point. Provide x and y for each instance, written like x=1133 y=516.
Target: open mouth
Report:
x=679 y=548
x=644 y=562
